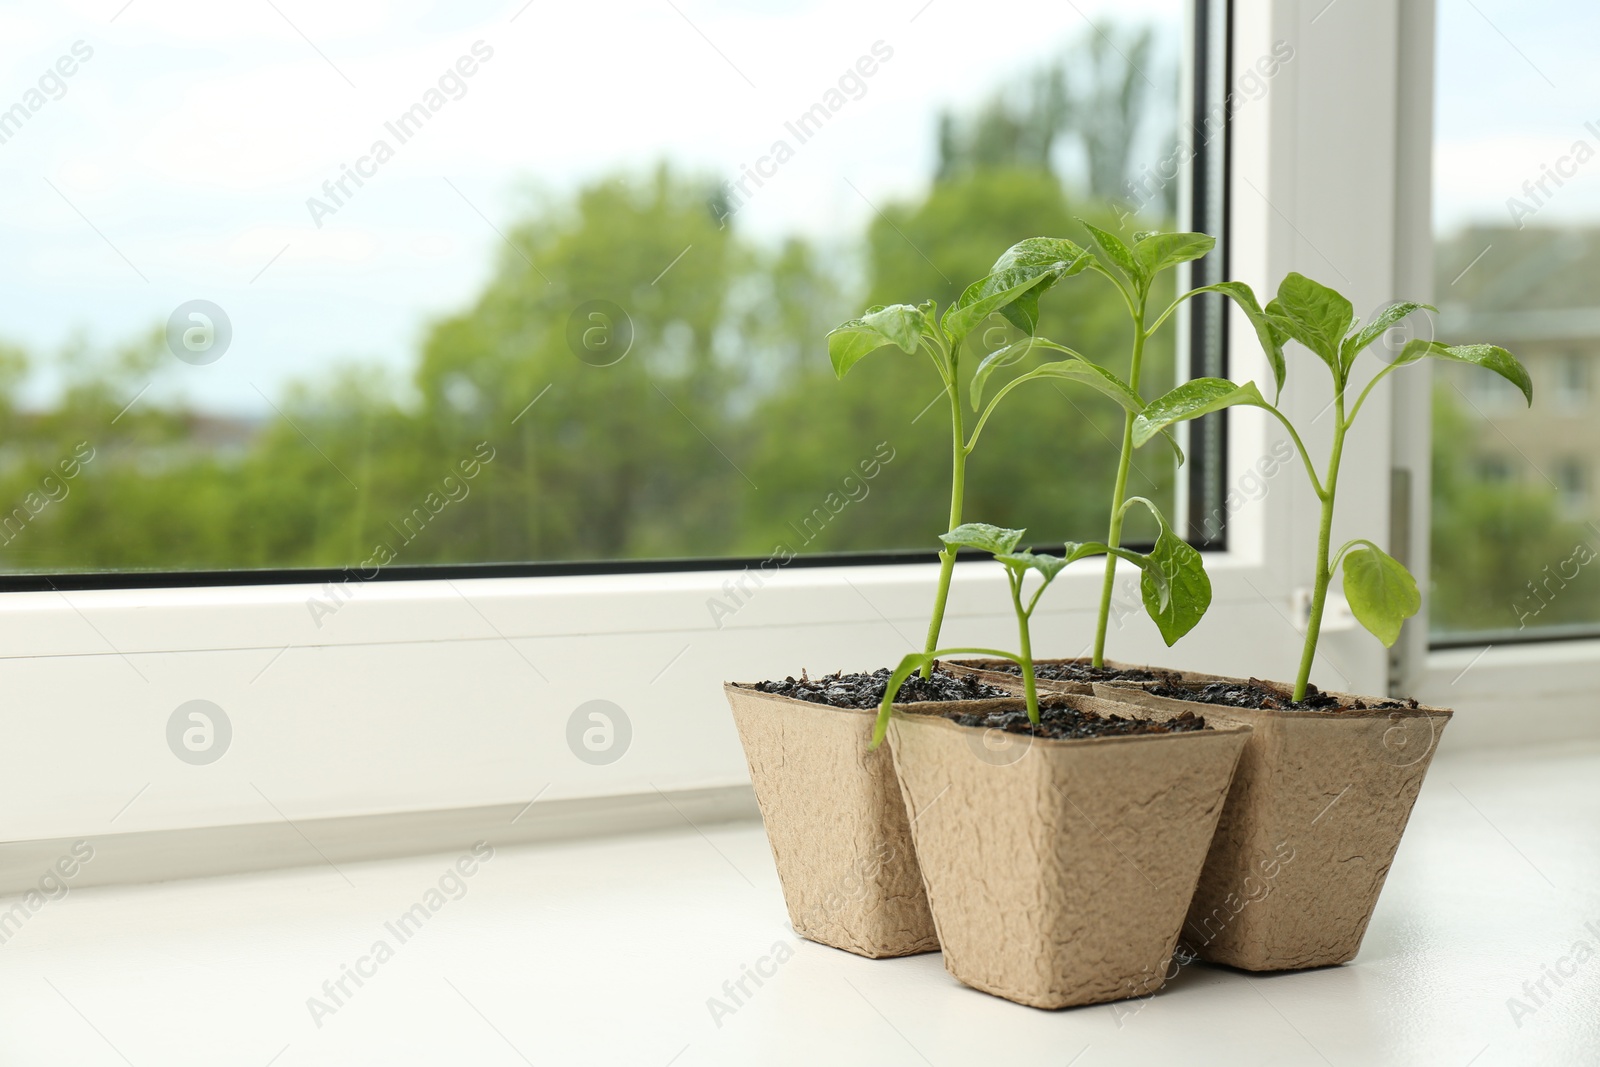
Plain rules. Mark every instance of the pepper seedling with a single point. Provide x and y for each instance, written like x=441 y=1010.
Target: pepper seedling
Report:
x=1170 y=587
x=1137 y=267
x=1012 y=289
x=1381 y=592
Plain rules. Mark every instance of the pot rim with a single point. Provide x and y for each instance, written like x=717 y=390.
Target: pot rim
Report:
x=1216 y=726
x=924 y=707
x=1420 y=711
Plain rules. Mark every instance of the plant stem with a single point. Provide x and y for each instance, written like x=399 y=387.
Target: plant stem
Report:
x=1029 y=686
x=958 y=484
x=1319 y=590
x=1114 y=535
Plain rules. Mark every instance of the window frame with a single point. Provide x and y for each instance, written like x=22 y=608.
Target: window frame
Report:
x=1199 y=488
x=1548 y=679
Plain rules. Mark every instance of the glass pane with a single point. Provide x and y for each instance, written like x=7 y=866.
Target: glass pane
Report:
x=408 y=283
x=1517 y=231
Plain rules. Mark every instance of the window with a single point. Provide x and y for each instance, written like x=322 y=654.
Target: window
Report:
x=439 y=693
x=1571 y=382
x=333 y=289
x=1517 y=232
x=1494 y=470
x=1572 y=487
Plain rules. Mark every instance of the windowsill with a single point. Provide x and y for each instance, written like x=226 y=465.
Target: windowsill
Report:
x=1515 y=694
x=272 y=617
x=606 y=951
x=437 y=696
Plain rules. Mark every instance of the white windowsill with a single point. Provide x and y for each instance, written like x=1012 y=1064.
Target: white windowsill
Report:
x=607 y=951
x=433 y=696
x=1507 y=695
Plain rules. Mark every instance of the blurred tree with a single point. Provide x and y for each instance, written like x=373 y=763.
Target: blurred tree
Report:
x=1098 y=93
x=1502 y=556
x=635 y=380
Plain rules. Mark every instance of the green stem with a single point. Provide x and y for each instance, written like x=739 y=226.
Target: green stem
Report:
x=1319 y=590
x=958 y=484
x=1114 y=535
x=1029 y=688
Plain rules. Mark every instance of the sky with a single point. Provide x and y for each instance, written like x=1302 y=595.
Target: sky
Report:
x=1516 y=83
x=176 y=160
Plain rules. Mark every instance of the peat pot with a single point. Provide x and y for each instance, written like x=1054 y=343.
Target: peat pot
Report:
x=1311 y=825
x=1058 y=872
x=835 y=820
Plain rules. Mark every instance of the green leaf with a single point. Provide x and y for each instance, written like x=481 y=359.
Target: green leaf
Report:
x=1005 y=356
x=1047 y=565
x=1314 y=315
x=1174 y=587
x=1053 y=257
x=913 y=662
x=1156 y=252
x=1118 y=253
x=1357 y=342
x=1382 y=593
x=983 y=298
x=899 y=324
x=1077 y=550
x=1271 y=337
x=1190 y=400
x=1082 y=371
x=1491 y=357
x=1177 y=449
x=851 y=342
x=993 y=539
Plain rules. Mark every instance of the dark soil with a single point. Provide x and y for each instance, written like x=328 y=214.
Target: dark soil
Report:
x=1259 y=694
x=1066 y=723
x=842 y=690
x=1083 y=672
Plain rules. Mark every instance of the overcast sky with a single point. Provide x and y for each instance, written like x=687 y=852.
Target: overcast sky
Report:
x=1517 y=81
x=193 y=136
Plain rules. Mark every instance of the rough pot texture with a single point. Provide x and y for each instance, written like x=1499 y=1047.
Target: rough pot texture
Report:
x=836 y=823
x=1059 y=872
x=1310 y=828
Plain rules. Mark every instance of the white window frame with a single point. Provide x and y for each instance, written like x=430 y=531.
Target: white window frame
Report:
x=430 y=695
x=1548 y=687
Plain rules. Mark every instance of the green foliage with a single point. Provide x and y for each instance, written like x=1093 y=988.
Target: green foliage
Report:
x=1137 y=268
x=1269 y=335
x=1358 y=341
x=1023 y=271
x=1001 y=543
x=645 y=458
x=1192 y=399
x=980 y=535
x=1315 y=315
x=1489 y=357
x=1053 y=257
x=878 y=327
x=1112 y=248
x=1527 y=561
x=1174 y=585
x=1382 y=594
x=1077 y=369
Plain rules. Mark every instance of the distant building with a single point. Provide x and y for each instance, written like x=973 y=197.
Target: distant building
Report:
x=1536 y=292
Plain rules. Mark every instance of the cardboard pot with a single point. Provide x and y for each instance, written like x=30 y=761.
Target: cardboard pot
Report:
x=1311 y=825
x=835 y=821
x=991 y=671
x=1059 y=872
